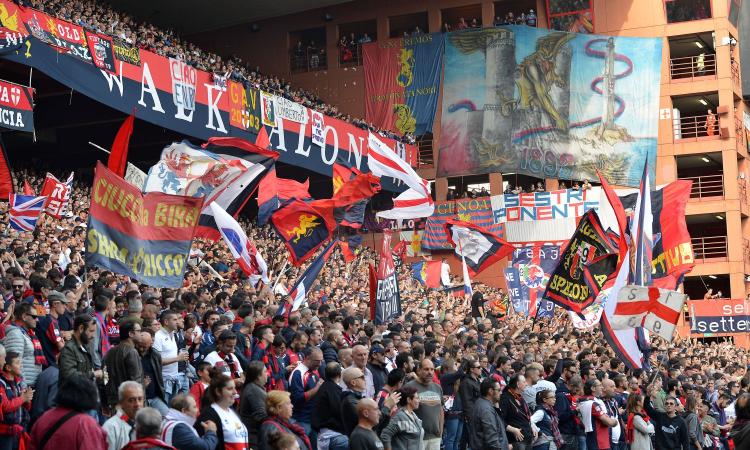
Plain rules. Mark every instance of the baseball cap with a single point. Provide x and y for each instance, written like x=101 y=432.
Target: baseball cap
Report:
x=57 y=296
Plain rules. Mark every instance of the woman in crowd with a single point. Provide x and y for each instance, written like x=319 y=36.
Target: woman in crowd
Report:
x=217 y=407
x=695 y=431
x=639 y=428
x=279 y=409
x=404 y=431
x=283 y=441
x=545 y=421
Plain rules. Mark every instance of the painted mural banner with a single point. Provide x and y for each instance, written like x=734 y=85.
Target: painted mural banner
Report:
x=719 y=316
x=402 y=82
x=549 y=104
x=176 y=96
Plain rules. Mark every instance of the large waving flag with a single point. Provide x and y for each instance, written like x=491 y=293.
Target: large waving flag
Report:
x=299 y=292
x=480 y=247
x=273 y=191
x=303 y=228
x=468 y=291
x=654 y=309
x=251 y=262
x=25 y=210
x=6 y=176
x=224 y=170
x=427 y=273
x=412 y=203
x=118 y=157
x=350 y=216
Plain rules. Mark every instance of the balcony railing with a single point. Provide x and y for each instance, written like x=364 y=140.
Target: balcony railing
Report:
x=426 y=158
x=308 y=60
x=735 y=70
x=692 y=66
x=694 y=127
x=706 y=186
x=350 y=56
x=710 y=247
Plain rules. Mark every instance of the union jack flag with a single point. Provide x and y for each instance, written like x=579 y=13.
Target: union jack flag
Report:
x=25 y=211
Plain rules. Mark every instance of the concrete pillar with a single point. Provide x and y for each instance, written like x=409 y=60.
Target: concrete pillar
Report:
x=441 y=189
x=736 y=285
x=729 y=166
x=734 y=236
x=496 y=183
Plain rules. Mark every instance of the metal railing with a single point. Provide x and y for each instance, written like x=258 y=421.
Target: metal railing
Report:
x=308 y=60
x=693 y=127
x=735 y=71
x=706 y=186
x=739 y=130
x=425 y=156
x=692 y=66
x=709 y=247
x=350 y=56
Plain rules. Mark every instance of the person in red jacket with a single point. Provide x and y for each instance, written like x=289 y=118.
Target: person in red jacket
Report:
x=204 y=379
x=15 y=402
x=77 y=430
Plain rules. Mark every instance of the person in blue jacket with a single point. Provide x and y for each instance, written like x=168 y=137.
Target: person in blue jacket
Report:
x=177 y=429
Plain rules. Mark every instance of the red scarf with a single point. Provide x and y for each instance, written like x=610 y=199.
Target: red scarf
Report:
x=630 y=427
x=229 y=361
x=147 y=442
x=39 y=359
x=294 y=428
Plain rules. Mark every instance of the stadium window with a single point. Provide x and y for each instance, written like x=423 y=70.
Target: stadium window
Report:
x=351 y=38
x=308 y=50
x=687 y=10
x=408 y=25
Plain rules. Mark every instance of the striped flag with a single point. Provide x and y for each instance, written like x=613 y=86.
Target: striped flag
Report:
x=243 y=249
x=477 y=247
x=300 y=290
x=25 y=210
x=476 y=210
x=467 y=281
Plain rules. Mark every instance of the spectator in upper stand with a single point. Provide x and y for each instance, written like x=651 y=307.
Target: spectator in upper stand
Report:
x=365 y=39
x=462 y=25
x=586 y=185
x=474 y=23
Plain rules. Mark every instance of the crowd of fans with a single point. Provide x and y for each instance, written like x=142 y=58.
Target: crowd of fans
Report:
x=103 y=18
x=524 y=18
x=213 y=365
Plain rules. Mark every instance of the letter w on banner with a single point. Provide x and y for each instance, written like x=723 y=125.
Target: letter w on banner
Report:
x=58 y=195
x=387 y=301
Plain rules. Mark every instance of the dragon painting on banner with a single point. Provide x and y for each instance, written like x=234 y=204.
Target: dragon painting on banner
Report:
x=549 y=104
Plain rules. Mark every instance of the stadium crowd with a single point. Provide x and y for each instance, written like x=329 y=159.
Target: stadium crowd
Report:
x=103 y=18
x=93 y=360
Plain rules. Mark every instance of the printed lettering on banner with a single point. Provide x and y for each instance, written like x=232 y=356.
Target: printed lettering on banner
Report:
x=58 y=195
x=184 y=82
x=16 y=111
x=135 y=176
x=548 y=205
x=289 y=110
x=127 y=53
x=102 y=53
x=318 y=125
x=268 y=109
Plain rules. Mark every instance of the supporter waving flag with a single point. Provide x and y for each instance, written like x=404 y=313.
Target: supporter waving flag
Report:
x=427 y=273
x=25 y=211
x=480 y=247
x=243 y=249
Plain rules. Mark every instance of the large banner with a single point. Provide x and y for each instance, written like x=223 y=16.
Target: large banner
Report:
x=174 y=95
x=540 y=216
x=528 y=274
x=719 y=316
x=473 y=210
x=574 y=16
x=387 y=299
x=402 y=82
x=146 y=237
x=16 y=106
x=58 y=195
x=549 y=104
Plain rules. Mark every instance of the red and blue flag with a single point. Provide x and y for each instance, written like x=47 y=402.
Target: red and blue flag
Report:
x=427 y=273
x=303 y=228
x=25 y=211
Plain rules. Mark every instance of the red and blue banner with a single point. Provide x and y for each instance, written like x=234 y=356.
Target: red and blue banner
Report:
x=303 y=228
x=170 y=94
x=427 y=273
x=719 y=316
x=528 y=274
x=144 y=236
x=16 y=107
x=477 y=211
x=402 y=82
x=387 y=300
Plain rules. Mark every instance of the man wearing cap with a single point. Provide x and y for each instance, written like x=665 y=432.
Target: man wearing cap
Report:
x=21 y=338
x=377 y=367
x=48 y=329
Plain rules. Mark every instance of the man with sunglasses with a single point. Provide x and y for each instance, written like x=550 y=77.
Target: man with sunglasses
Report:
x=671 y=429
x=487 y=431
